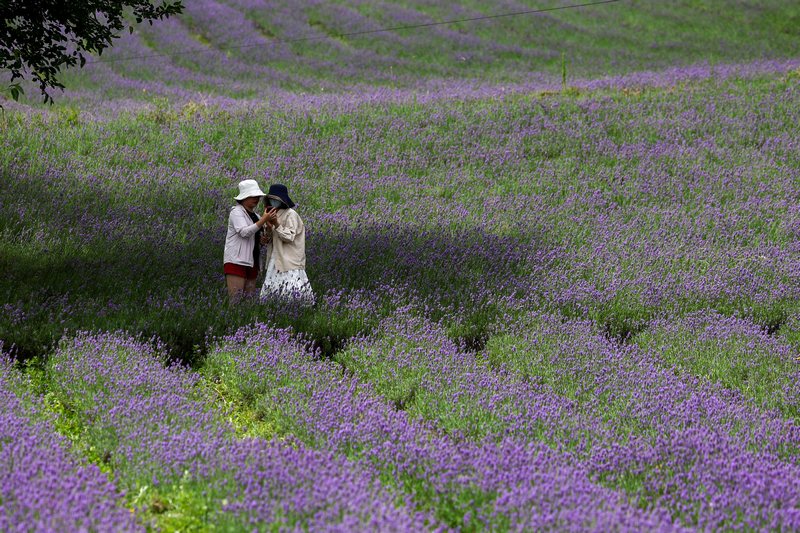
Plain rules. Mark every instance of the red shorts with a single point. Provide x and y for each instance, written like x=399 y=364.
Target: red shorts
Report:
x=242 y=271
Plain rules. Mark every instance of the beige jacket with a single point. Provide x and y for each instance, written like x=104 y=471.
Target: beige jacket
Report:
x=289 y=242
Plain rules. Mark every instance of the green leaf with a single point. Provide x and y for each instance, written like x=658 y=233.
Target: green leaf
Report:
x=15 y=91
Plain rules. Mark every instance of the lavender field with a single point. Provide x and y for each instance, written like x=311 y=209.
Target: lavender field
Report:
x=556 y=260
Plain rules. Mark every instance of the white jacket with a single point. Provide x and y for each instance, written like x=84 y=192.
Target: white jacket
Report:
x=240 y=240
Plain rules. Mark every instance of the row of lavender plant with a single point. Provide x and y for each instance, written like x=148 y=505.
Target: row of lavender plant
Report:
x=609 y=375
x=731 y=351
x=153 y=428
x=669 y=440
x=43 y=485
x=684 y=438
x=229 y=50
x=503 y=484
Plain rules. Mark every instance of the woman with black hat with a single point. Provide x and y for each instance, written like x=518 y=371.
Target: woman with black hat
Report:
x=285 y=274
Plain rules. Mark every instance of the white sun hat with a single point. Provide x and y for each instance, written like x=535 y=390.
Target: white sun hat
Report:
x=249 y=188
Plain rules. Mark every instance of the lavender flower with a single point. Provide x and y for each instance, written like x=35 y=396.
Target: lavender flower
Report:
x=43 y=486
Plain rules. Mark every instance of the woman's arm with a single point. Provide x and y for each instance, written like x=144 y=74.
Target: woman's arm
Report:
x=243 y=225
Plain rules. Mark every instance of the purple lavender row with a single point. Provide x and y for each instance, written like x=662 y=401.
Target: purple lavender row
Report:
x=43 y=487
x=224 y=27
x=731 y=351
x=155 y=430
x=391 y=49
x=634 y=424
x=713 y=457
x=611 y=252
x=709 y=453
x=256 y=27
x=499 y=151
x=389 y=58
x=204 y=75
x=508 y=484
x=143 y=419
x=586 y=366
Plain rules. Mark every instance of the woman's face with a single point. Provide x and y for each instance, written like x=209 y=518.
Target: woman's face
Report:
x=251 y=203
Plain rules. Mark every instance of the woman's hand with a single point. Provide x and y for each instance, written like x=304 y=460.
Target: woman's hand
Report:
x=273 y=216
x=265 y=218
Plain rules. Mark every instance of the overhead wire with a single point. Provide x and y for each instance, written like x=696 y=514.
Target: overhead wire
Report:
x=274 y=42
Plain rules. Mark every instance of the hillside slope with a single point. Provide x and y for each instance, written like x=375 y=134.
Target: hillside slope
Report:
x=249 y=49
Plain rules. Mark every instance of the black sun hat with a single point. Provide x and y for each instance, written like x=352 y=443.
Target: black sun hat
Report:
x=279 y=192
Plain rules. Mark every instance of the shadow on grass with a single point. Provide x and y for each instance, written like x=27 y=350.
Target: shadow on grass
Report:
x=176 y=292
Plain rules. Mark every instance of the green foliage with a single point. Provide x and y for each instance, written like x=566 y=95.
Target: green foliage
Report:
x=453 y=508
x=253 y=413
x=69 y=116
x=15 y=90
x=183 y=506
x=537 y=363
x=246 y=419
x=161 y=112
x=404 y=371
x=34 y=36
x=790 y=331
x=471 y=328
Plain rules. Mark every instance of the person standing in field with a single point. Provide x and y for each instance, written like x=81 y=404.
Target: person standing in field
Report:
x=285 y=273
x=243 y=242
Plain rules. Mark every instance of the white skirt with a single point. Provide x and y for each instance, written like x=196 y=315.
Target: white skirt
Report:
x=291 y=285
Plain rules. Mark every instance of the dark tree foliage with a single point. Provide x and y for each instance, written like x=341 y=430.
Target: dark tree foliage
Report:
x=38 y=38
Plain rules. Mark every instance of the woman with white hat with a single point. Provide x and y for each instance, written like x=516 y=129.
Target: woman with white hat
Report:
x=243 y=241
